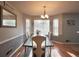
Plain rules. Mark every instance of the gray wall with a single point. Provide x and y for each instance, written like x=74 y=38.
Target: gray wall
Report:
x=12 y=38
x=6 y=33
x=69 y=31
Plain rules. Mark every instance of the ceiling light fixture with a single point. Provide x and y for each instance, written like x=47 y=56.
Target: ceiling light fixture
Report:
x=44 y=16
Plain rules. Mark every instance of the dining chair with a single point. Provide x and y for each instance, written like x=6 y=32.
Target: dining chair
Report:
x=39 y=51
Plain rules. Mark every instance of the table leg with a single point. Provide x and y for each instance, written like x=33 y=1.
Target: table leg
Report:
x=50 y=52
x=25 y=49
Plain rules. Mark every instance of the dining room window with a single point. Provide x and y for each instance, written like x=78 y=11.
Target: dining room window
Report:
x=42 y=26
x=28 y=26
x=55 y=27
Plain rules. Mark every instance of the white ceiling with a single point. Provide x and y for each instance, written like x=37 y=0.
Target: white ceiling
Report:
x=53 y=7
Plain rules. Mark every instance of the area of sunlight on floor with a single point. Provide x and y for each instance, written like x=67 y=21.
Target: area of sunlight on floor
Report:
x=55 y=52
x=71 y=54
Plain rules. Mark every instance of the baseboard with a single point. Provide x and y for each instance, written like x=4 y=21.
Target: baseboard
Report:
x=16 y=50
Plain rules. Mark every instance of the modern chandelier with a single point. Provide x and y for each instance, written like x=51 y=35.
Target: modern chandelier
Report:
x=44 y=16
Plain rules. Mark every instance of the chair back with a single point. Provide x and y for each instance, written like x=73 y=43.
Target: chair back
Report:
x=38 y=40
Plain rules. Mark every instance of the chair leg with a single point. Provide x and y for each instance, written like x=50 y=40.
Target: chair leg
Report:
x=34 y=55
x=43 y=55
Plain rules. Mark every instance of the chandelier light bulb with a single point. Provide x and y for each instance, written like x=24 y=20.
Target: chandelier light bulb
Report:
x=46 y=16
x=42 y=16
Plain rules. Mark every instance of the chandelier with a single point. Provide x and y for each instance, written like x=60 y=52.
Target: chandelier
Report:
x=44 y=16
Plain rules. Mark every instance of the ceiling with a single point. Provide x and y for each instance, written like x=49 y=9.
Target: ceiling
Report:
x=6 y=12
x=52 y=7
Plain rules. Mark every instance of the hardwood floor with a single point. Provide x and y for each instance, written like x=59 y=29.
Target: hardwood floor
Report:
x=67 y=50
x=59 y=50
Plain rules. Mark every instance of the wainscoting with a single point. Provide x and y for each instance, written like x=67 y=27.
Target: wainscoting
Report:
x=8 y=48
